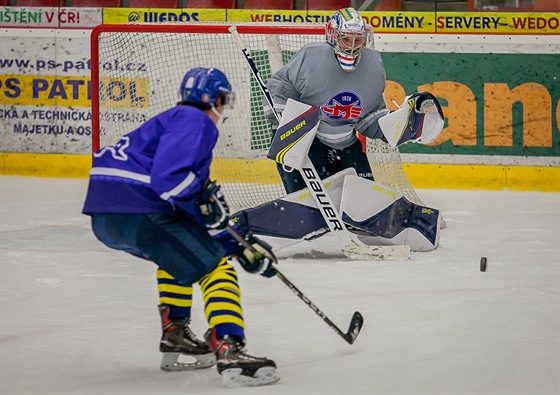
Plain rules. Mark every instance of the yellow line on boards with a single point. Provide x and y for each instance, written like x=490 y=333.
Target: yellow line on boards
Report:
x=263 y=171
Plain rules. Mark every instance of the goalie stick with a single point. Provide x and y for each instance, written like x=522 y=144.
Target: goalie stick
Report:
x=357 y=319
x=351 y=246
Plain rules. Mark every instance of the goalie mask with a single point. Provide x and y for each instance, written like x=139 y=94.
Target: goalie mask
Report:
x=202 y=87
x=348 y=34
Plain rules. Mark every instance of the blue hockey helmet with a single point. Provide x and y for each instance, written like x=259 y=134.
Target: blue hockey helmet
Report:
x=203 y=86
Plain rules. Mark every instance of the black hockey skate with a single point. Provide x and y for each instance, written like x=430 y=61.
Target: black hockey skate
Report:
x=179 y=342
x=238 y=369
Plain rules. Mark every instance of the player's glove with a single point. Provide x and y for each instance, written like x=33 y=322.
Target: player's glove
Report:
x=419 y=119
x=426 y=117
x=261 y=261
x=213 y=206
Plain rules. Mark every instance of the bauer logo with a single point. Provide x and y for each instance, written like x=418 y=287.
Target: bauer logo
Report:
x=322 y=199
x=382 y=189
x=343 y=105
x=292 y=130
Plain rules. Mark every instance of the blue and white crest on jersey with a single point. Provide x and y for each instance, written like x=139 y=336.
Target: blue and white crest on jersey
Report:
x=343 y=105
x=117 y=150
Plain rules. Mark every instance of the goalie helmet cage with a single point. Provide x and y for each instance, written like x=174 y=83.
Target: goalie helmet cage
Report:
x=136 y=71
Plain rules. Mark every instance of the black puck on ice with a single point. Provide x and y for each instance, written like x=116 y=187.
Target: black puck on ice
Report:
x=483 y=262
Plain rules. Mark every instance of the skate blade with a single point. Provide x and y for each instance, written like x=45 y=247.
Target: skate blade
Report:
x=232 y=378
x=170 y=362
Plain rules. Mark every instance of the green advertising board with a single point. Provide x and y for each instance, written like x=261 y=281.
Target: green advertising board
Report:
x=495 y=104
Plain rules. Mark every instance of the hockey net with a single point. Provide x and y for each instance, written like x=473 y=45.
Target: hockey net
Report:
x=136 y=73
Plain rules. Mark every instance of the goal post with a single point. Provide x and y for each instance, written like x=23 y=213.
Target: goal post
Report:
x=136 y=73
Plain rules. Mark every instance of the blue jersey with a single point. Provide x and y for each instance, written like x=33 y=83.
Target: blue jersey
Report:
x=160 y=167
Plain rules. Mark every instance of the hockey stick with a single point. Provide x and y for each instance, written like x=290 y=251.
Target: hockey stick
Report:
x=357 y=319
x=351 y=246
x=254 y=69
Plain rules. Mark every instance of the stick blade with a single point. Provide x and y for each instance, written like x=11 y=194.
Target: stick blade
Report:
x=354 y=328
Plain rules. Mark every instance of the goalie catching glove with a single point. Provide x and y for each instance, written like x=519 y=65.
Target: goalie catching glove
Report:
x=256 y=260
x=213 y=206
x=419 y=119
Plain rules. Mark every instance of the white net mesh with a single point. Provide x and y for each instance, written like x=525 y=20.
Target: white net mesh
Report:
x=140 y=69
x=388 y=169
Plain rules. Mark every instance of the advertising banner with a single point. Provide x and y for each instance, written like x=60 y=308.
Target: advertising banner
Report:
x=500 y=23
x=382 y=22
x=494 y=104
x=45 y=94
x=66 y=18
x=155 y=15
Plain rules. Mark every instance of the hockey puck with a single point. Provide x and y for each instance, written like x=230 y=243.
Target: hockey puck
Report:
x=483 y=262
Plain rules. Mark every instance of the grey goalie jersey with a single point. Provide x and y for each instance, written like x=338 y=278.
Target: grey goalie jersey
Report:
x=348 y=101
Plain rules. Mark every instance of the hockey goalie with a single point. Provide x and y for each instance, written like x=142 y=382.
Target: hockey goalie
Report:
x=372 y=221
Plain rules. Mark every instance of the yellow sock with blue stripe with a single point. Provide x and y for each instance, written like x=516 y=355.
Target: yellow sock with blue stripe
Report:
x=222 y=299
x=178 y=297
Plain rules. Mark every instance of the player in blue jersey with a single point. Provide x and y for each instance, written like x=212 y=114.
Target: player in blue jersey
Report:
x=150 y=195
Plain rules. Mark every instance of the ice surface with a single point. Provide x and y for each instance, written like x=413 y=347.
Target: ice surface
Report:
x=78 y=318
